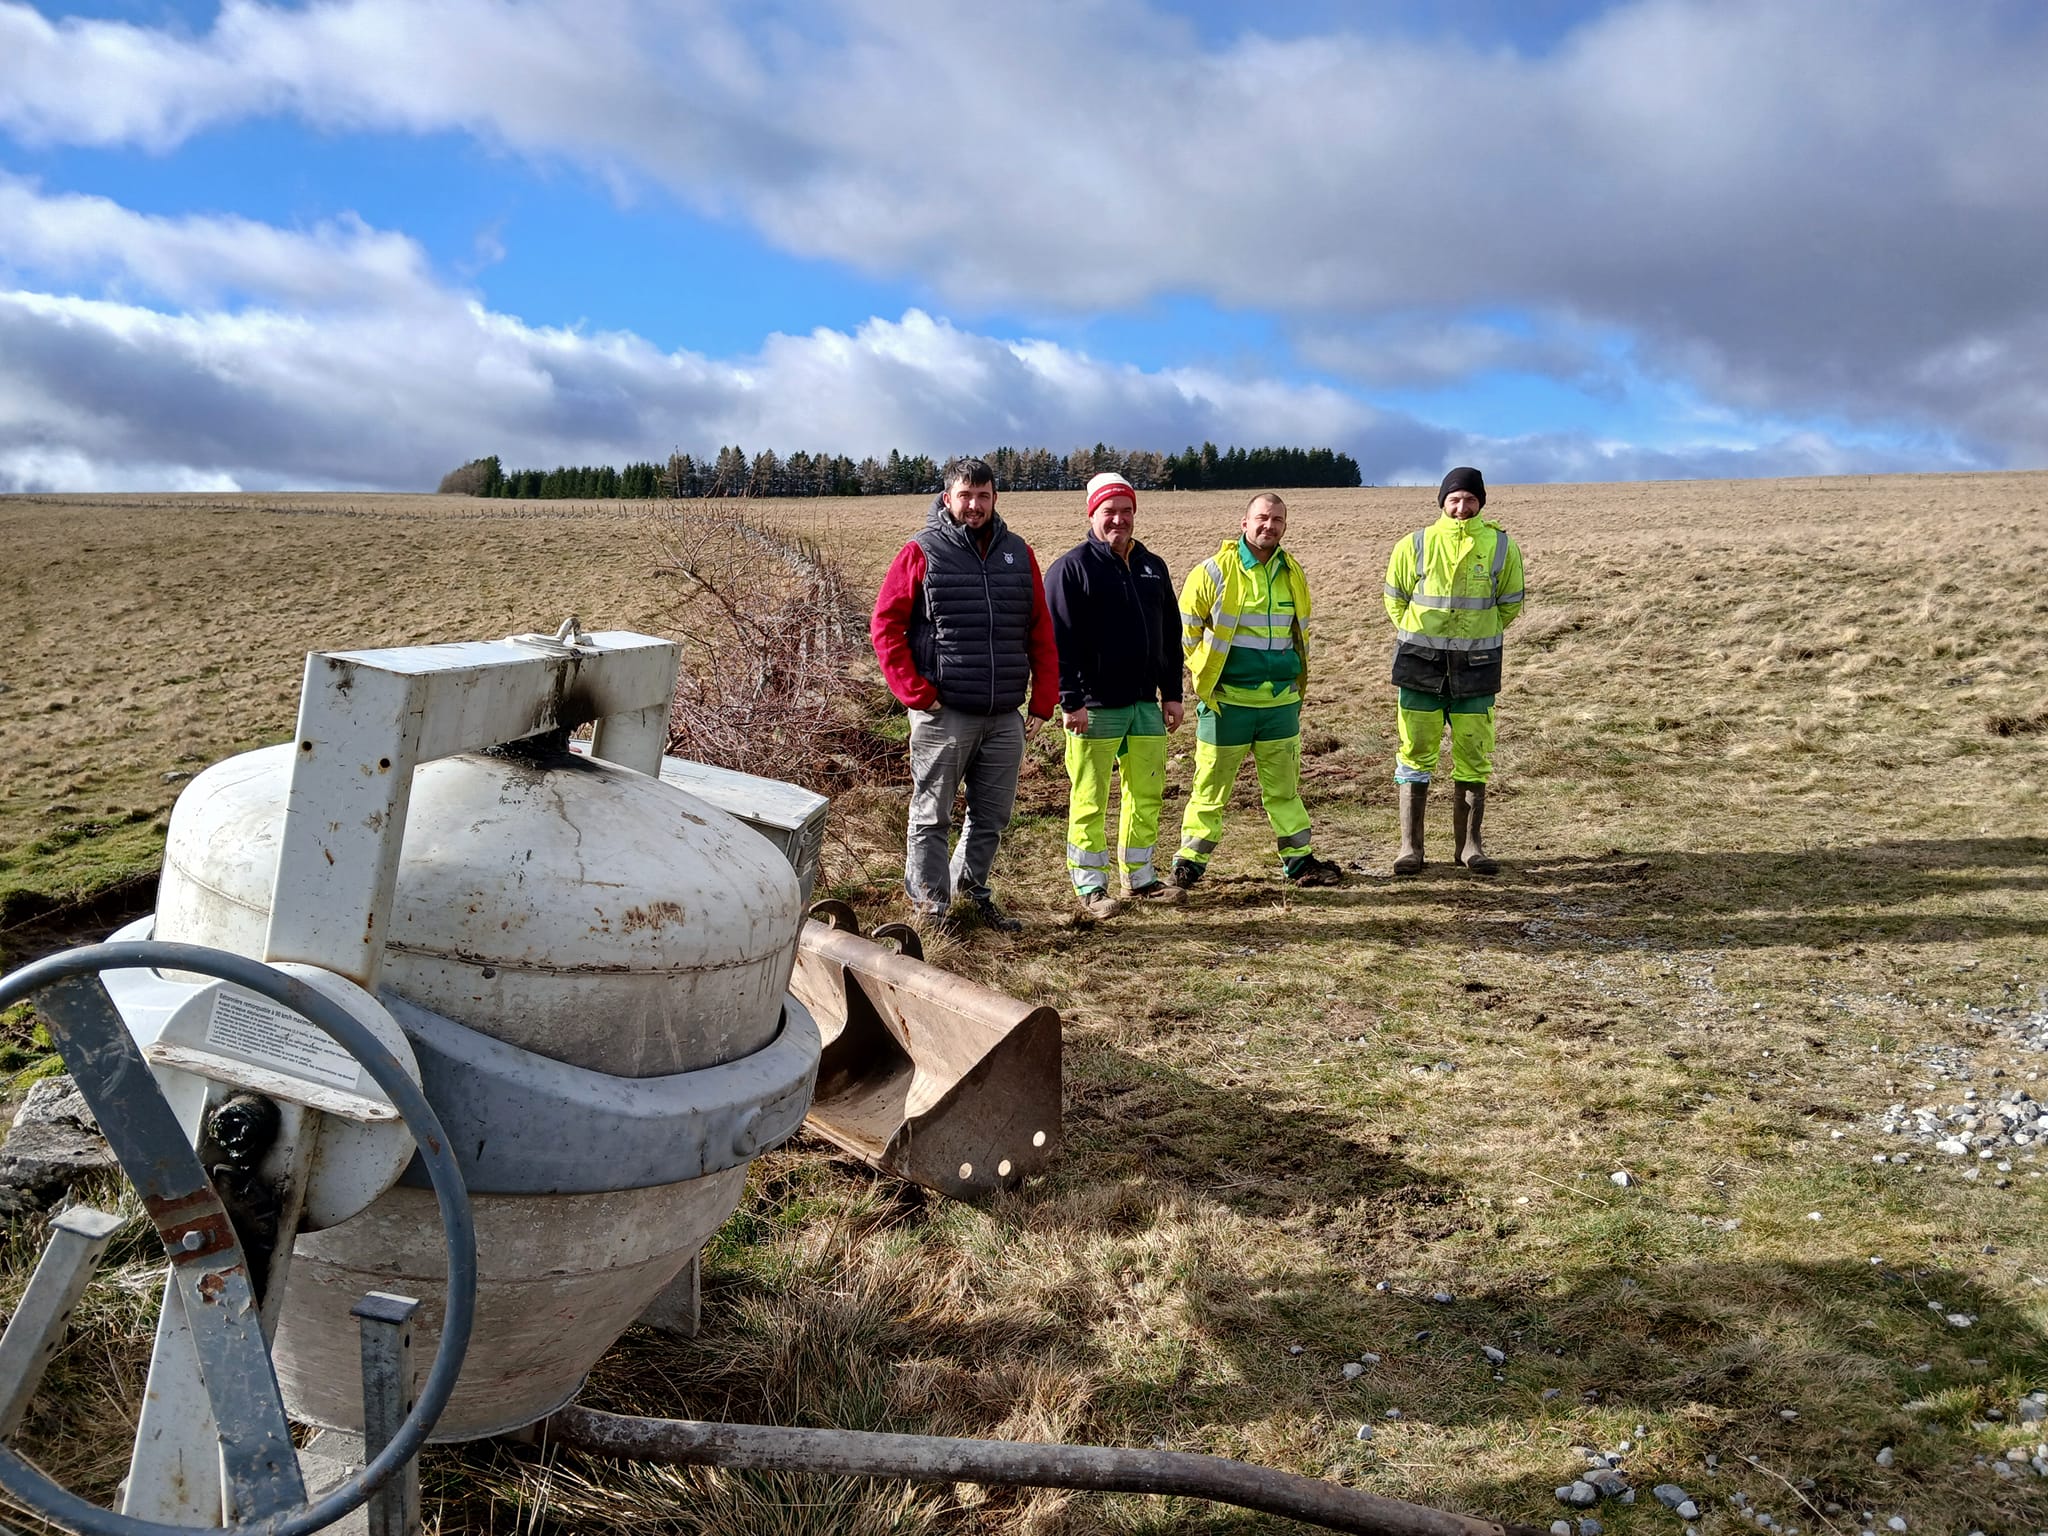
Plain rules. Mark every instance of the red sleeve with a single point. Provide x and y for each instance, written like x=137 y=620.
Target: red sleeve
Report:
x=889 y=629
x=1045 y=653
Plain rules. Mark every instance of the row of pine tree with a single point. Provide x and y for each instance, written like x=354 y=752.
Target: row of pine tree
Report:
x=734 y=473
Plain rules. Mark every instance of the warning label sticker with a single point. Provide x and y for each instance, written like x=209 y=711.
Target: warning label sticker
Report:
x=260 y=1031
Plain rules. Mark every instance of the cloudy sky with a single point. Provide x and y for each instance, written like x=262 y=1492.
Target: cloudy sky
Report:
x=356 y=242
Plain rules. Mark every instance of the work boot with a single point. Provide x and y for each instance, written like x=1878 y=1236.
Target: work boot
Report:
x=1468 y=816
x=1160 y=893
x=1310 y=870
x=1186 y=872
x=1098 y=903
x=1414 y=802
x=993 y=916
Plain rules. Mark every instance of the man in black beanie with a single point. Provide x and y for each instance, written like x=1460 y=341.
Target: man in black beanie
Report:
x=1452 y=590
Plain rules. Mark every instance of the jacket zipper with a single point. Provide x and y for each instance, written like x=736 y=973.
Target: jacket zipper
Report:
x=989 y=602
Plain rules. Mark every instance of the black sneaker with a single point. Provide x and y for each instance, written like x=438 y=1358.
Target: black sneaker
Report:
x=993 y=916
x=1185 y=873
x=1314 y=871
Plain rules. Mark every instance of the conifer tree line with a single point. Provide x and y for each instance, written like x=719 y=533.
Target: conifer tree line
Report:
x=734 y=473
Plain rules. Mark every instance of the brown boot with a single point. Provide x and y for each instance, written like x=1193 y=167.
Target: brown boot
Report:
x=1414 y=801
x=1468 y=817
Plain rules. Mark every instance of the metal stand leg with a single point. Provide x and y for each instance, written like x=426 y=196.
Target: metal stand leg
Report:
x=78 y=1238
x=679 y=1309
x=386 y=1323
x=174 y=1471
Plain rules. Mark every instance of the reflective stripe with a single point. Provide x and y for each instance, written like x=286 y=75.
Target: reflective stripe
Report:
x=1137 y=855
x=1202 y=845
x=1142 y=875
x=1447 y=642
x=1242 y=642
x=1500 y=561
x=1299 y=839
x=1509 y=597
x=1191 y=620
x=1475 y=603
x=1395 y=592
x=1087 y=859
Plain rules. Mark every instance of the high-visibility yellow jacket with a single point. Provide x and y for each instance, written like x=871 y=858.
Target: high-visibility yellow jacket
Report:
x=1224 y=606
x=1455 y=585
x=1452 y=589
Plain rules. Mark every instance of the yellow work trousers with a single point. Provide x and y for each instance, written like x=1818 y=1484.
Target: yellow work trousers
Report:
x=1419 y=722
x=1131 y=740
x=1224 y=735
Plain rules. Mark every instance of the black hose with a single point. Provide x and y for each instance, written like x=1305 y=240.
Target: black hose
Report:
x=932 y=1458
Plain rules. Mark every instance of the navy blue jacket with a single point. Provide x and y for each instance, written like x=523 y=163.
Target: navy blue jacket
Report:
x=961 y=621
x=1117 y=626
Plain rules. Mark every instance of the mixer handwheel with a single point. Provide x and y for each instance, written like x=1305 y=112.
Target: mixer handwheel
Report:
x=208 y=1266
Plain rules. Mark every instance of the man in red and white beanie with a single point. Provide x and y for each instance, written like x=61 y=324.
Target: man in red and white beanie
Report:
x=1117 y=628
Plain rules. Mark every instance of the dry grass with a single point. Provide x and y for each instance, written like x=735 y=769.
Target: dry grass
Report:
x=1770 y=791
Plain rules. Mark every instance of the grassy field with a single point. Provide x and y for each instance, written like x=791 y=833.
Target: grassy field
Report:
x=1770 y=800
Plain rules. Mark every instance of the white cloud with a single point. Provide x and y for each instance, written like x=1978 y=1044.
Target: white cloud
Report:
x=333 y=357
x=1829 y=207
x=98 y=395
x=198 y=259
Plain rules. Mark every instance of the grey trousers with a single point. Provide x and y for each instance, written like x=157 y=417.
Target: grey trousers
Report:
x=949 y=748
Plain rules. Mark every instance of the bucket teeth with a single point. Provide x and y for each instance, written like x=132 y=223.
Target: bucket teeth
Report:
x=927 y=1075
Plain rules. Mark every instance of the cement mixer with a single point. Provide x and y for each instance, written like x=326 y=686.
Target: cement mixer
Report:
x=584 y=968
x=446 y=1038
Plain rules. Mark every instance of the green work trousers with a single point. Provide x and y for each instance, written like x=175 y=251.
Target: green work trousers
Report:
x=1224 y=734
x=1133 y=740
x=1420 y=720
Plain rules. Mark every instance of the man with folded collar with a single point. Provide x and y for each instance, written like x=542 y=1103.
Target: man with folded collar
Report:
x=1452 y=590
x=1245 y=633
x=1113 y=619
x=965 y=643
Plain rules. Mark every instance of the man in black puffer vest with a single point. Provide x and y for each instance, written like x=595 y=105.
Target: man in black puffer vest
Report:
x=964 y=639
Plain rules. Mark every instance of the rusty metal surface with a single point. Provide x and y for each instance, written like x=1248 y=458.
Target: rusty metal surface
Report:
x=207 y=1266
x=210 y=1309
x=925 y=1074
x=386 y=1321
x=368 y=718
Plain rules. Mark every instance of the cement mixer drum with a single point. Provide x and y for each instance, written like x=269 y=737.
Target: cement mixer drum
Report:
x=601 y=927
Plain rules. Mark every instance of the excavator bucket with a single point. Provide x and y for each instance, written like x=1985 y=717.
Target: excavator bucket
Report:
x=925 y=1074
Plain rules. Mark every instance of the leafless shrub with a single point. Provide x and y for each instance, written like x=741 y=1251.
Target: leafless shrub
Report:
x=776 y=675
